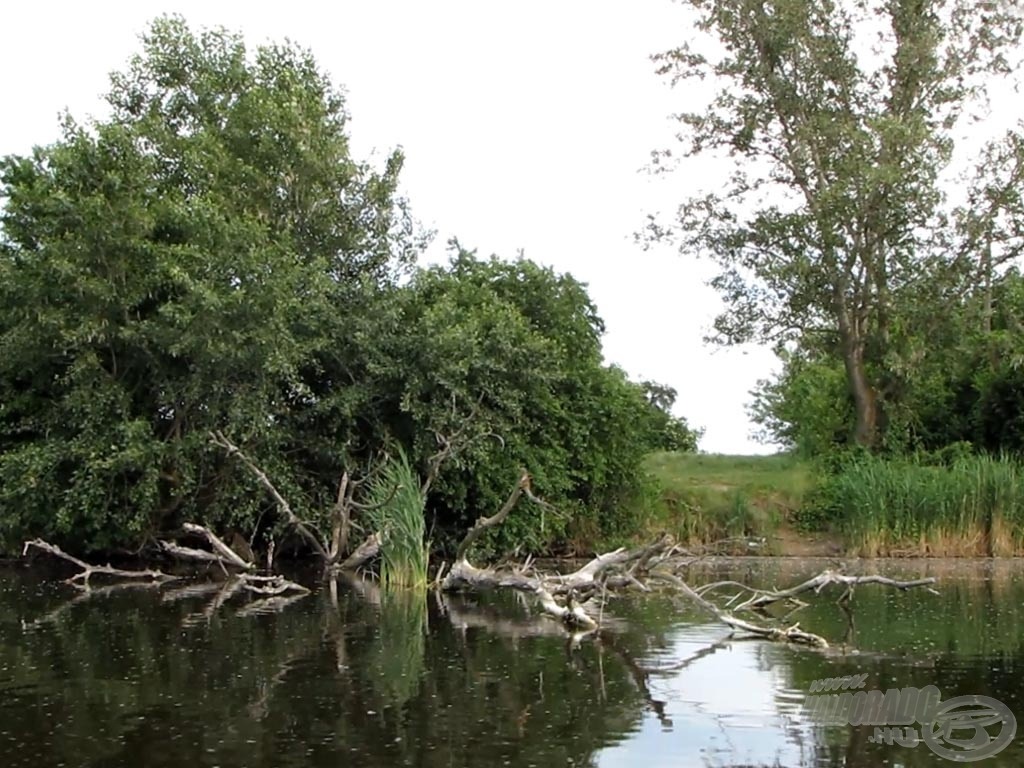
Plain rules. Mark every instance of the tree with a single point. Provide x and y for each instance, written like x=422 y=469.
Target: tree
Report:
x=211 y=259
x=507 y=356
x=840 y=119
x=179 y=267
x=668 y=432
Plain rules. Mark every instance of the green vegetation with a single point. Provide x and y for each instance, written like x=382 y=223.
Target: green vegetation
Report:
x=975 y=506
x=397 y=513
x=896 y=308
x=836 y=240
x=947 y=505
x=211 y=257
x=708 y=498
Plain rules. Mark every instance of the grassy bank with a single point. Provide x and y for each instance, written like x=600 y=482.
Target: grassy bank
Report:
x=706 y=498
x=973 y=506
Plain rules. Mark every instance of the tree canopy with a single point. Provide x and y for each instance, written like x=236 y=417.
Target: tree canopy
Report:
x=834 y=232
x=210 y=257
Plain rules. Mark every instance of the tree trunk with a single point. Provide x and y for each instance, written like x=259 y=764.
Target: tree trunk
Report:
x=865 y=400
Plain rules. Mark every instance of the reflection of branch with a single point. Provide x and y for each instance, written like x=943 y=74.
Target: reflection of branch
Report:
x=89 y=594
x=268 y=605
x=229 y=589
x=82 y=579
x=270 y=585
x=190 y=591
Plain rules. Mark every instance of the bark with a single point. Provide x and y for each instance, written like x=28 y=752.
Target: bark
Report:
x=865 y=399
x=219 y=439
x=363 y=554
x=226 y=553
x=760 y=598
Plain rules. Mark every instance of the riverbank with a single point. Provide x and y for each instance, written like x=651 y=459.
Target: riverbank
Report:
x=734 y=501
x=972 y=506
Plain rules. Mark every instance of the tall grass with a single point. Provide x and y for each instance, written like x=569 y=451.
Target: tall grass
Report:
x=398 y=513
x=973 y=507
x=706 y=498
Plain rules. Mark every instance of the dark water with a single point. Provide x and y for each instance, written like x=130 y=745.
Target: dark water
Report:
x=347 y=676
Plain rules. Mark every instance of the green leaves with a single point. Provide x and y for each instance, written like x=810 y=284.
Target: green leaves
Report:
x=212 y=258
x=173 y=270
x=832 y=233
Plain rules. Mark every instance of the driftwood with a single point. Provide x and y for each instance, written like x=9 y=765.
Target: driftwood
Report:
x=577 y=586
x=88 y=571
x=658 y=562
x=277 y=592
x=220 y=440
x=223 y=551
x=270 y=585
x=825 y=578
x=363 y=554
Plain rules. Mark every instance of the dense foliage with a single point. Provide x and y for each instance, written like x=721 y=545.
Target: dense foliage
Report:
x=835 y=234
x=965 y=388
x=212 y=257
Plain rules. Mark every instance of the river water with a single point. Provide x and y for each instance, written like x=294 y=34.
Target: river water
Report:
x=349 y=677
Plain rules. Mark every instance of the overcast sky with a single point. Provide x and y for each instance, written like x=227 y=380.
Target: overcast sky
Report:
x=525 y=125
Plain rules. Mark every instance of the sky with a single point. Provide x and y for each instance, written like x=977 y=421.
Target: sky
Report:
x=526 y=127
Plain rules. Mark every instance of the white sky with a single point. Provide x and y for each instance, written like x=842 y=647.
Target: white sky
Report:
x=525 y=125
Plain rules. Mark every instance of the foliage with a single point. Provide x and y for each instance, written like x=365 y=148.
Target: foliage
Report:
x=807 y=407
x=668 y=432
x=171 y=270
x=965 y=389
x=832 y=231
x=397 y=513
x=211 y=257
x=506 y=356
x=973 y=506
x=705 y=498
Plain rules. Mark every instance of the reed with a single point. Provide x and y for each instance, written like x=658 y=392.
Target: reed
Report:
x=973 y=507
x=398 y=513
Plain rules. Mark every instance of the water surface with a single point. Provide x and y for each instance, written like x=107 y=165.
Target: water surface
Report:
x=179 y=676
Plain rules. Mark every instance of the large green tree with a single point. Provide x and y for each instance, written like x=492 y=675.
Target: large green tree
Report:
x=211 y=257
x=179 y=266
x=503 y=359
x=832 y=230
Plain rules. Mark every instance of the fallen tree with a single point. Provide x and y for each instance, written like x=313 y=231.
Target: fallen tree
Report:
x=87 y=570
x=656 y=563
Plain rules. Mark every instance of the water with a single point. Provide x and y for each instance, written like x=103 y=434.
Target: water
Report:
x=346 y=676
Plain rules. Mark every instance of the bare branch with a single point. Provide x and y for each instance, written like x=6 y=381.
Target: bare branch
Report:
x=824 y=579
x=792 y=634
x=485 y=523
x=218 y=438
x=226 y=553
x=87 y=570
x=364 y=553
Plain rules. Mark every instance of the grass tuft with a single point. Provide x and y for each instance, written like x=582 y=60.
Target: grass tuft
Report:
x=398 y=513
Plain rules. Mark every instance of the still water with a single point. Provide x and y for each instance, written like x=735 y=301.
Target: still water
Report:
x=347 y=676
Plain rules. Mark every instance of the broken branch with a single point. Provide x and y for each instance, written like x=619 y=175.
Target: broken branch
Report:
x=87 y=570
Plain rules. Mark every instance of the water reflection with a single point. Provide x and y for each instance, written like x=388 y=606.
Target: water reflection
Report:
x=199 y=675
